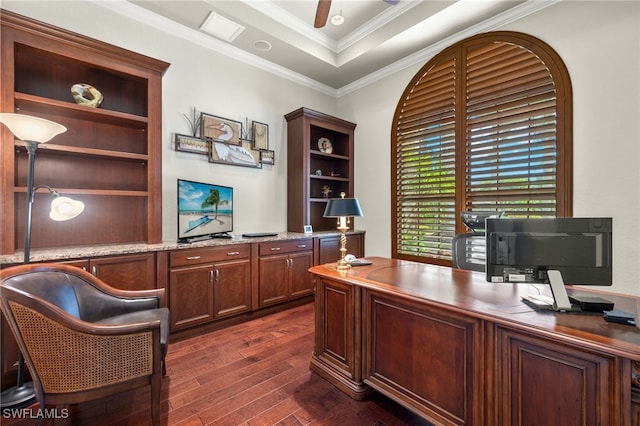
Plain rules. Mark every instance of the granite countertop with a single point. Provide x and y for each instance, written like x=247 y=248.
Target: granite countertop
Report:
x=66 y=253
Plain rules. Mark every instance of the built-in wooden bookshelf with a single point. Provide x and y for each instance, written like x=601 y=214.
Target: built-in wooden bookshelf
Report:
x=310 y=168
x=110 y=157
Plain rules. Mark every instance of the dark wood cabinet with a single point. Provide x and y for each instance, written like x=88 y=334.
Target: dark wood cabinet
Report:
x=570 y=382
x=327 y=249
x=126 y=272
x=110 y=158
x=283 y=271
x=312 y=166
x=209 y=283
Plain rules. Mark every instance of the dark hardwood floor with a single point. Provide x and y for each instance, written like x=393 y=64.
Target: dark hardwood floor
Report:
x=255 y=373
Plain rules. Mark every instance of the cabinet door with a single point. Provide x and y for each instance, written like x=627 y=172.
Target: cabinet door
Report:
x=540 y=382
x=128 y=272
x=191 y=295
x=329 y=247
x=10 y=354
x=300 y=283
x=273 y=279
x=232 y=288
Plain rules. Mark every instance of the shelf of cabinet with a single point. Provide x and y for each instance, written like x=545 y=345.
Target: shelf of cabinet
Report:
x=333 y=178
x=324 y=155
x=34 y=103
x=90 y=152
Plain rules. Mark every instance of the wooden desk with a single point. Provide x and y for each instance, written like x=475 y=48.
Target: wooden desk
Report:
x=457 y=349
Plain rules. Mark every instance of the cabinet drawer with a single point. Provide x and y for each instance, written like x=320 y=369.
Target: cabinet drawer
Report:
x=209 y=254
x=289 y=246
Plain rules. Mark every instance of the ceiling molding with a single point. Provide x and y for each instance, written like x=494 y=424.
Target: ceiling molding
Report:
x=144 y=16
x=424 y=55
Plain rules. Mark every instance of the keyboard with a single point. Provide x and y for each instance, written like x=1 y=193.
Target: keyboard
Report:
x=259 y=234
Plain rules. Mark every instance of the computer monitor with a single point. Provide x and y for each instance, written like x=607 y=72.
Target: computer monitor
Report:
x=577 y=251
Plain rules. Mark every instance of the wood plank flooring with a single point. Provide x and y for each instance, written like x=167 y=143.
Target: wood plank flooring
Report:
x=252 y=374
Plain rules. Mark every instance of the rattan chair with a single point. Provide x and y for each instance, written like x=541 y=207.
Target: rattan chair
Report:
x=82 y=339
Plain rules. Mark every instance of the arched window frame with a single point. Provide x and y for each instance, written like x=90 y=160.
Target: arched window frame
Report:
x=449 y=222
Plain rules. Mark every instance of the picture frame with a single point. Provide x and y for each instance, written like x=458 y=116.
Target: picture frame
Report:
x=260 y=132
x=220 y=129
x=308 y=229
x=235 y=155
x=191 y=144
x=267 y=157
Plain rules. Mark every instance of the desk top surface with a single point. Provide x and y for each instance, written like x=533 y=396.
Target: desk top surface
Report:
x=470 y=293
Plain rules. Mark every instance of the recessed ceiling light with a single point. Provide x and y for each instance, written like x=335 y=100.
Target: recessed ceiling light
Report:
x=337 y=19
x=262 y=45
x=221 y=27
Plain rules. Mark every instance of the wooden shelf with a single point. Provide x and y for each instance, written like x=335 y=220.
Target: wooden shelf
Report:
x=52 y=106
x=305 y=205
x=110 y=157
x=92 y=152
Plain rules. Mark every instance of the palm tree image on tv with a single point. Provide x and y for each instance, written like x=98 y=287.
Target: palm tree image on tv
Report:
x=212 y=200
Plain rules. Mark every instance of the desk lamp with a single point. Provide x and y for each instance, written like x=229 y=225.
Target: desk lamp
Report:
x=343 y=208
x=34 y=131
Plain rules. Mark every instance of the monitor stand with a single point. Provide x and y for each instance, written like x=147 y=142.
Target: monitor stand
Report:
x=561 y=300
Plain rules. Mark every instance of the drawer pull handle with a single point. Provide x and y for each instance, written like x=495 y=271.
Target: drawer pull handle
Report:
x=193 y=257
x=94 y=271
x=275 y=248
x=302 y=245
x=233 y=253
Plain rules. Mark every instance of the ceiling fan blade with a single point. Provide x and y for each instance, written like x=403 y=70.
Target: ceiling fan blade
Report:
x=322 y=13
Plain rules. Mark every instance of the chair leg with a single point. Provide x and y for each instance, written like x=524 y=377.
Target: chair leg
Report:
x=156 y=384
x=164 y=368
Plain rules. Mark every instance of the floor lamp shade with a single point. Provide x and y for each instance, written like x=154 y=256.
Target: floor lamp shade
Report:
x=29 y=128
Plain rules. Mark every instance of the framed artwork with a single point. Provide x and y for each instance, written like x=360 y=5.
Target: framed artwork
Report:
x=191 y=144
x=234 y=155
x=260 y=133
x=308 y=229
x=267 y=156
x=219 y=129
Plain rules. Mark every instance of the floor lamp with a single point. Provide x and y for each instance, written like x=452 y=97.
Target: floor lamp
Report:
x=343 y=208
x=34 y=131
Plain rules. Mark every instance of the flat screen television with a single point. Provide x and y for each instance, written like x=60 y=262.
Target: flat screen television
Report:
x=554 y=251
x=204 y=211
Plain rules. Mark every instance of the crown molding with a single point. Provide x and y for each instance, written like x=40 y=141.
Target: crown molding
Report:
x=143 y=16
x=158 y=22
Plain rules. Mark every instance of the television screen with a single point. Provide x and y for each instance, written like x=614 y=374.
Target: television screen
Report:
x=204 y=210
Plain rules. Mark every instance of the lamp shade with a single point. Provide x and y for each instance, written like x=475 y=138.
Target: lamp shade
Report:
x=65 y=208
x=32 y=129
x=342 y=207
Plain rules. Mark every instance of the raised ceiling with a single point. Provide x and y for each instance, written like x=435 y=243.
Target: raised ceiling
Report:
x=376 y=36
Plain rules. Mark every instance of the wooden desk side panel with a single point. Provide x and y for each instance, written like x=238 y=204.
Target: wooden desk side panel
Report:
x=427 y=358
x=540 y=381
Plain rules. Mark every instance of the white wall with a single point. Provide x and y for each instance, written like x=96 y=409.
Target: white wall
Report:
x=599 y=42
x=213 y=83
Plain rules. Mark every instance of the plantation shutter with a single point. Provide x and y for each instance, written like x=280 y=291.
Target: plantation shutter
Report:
x=425 y=167
x=510 y=137
x=480 y=128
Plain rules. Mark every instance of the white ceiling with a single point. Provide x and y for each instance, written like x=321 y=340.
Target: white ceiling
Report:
x=375 y=36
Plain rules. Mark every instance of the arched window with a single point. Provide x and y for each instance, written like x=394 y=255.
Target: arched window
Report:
x=485 y=125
